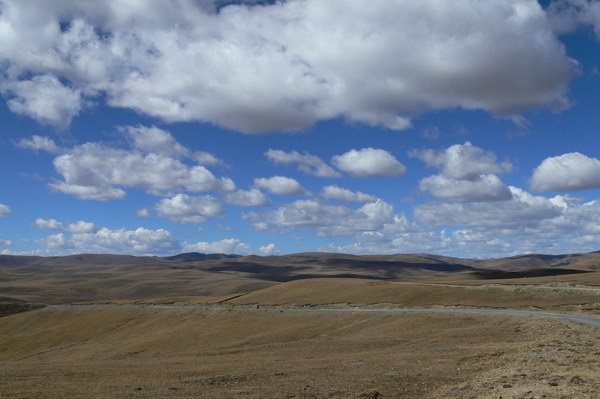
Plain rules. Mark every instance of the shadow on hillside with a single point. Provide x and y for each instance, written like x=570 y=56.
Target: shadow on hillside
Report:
x=395 y=266
x=346 y=268
x=282 y=274
x=500 y=275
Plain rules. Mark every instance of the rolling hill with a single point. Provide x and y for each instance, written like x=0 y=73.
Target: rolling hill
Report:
x=97 y=277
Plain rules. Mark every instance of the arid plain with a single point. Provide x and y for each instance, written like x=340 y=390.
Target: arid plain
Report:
x=300 y=326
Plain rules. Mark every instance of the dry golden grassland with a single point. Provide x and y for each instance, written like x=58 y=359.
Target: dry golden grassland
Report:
x=298 y=327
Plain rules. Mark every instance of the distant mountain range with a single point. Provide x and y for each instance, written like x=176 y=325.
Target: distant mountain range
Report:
x=92 y=277
x=586 y=261
x=197 y=256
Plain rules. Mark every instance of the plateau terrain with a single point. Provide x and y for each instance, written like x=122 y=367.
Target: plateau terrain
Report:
x=307 y=325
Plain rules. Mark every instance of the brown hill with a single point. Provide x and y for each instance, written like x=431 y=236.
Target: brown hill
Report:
x=89 y=277
x=588 y=261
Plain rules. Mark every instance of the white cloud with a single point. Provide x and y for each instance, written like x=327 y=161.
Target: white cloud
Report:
x=139 y=241
x=89 y=192
x=343 y=194
x=369 y=162
x=568 y=15
x=152 y=140
x=206 y=158
x=97 y=172
x=409 y=242
x=329 y=220
x=484 y=188
x=306 y=61
x=4 y=210
x=79 y=227
x=252 y=197
x=48 y=224
x=45 y=99
x=526 y=223
x=54 y=242
x=183 y=208
x=467 y=174
x=143 y=212
x=280 y=185
x=94 y=171
x=226 y=246
x=307 y=163
x=522 y=210
x=155 y=141
x=39 y=143
x=267 y=249
x=463 y=161
x=80 y=237
x=571 y=171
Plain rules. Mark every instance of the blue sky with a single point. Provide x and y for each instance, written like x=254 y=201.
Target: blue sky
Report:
x=466 y=129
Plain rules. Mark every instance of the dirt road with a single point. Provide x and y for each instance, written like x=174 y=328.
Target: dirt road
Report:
x=188 y=350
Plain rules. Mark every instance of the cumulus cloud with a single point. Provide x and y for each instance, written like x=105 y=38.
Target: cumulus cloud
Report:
x=410 y=242
x=329 y=220
x=467 y=174
x=89 y=192
x=252 y=197
x=39 y=143
x=280 y=185
x=183 y=208
x=226 y=246
x=84 y=237
x=343 y=194
x=463 y=161
x=522 y=210
x=181 y=60
x=154 y=140
x=49 y=224
x=45 y=99
x=267 y=249
x=4 y=210
x=526 y=223
x=568 y=15
x=154 y=162
x=79 y=227
x=571 y=171
x=484 y=188
x=96 y=172
x=307 y=163
x=143 y=212
x=369 y=162
x=206 y=158
x=139 y=241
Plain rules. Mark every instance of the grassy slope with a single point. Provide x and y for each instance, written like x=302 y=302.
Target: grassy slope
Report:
x=121 y=351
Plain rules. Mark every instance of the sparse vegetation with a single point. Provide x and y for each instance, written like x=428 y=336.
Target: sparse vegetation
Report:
x=148 y=328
